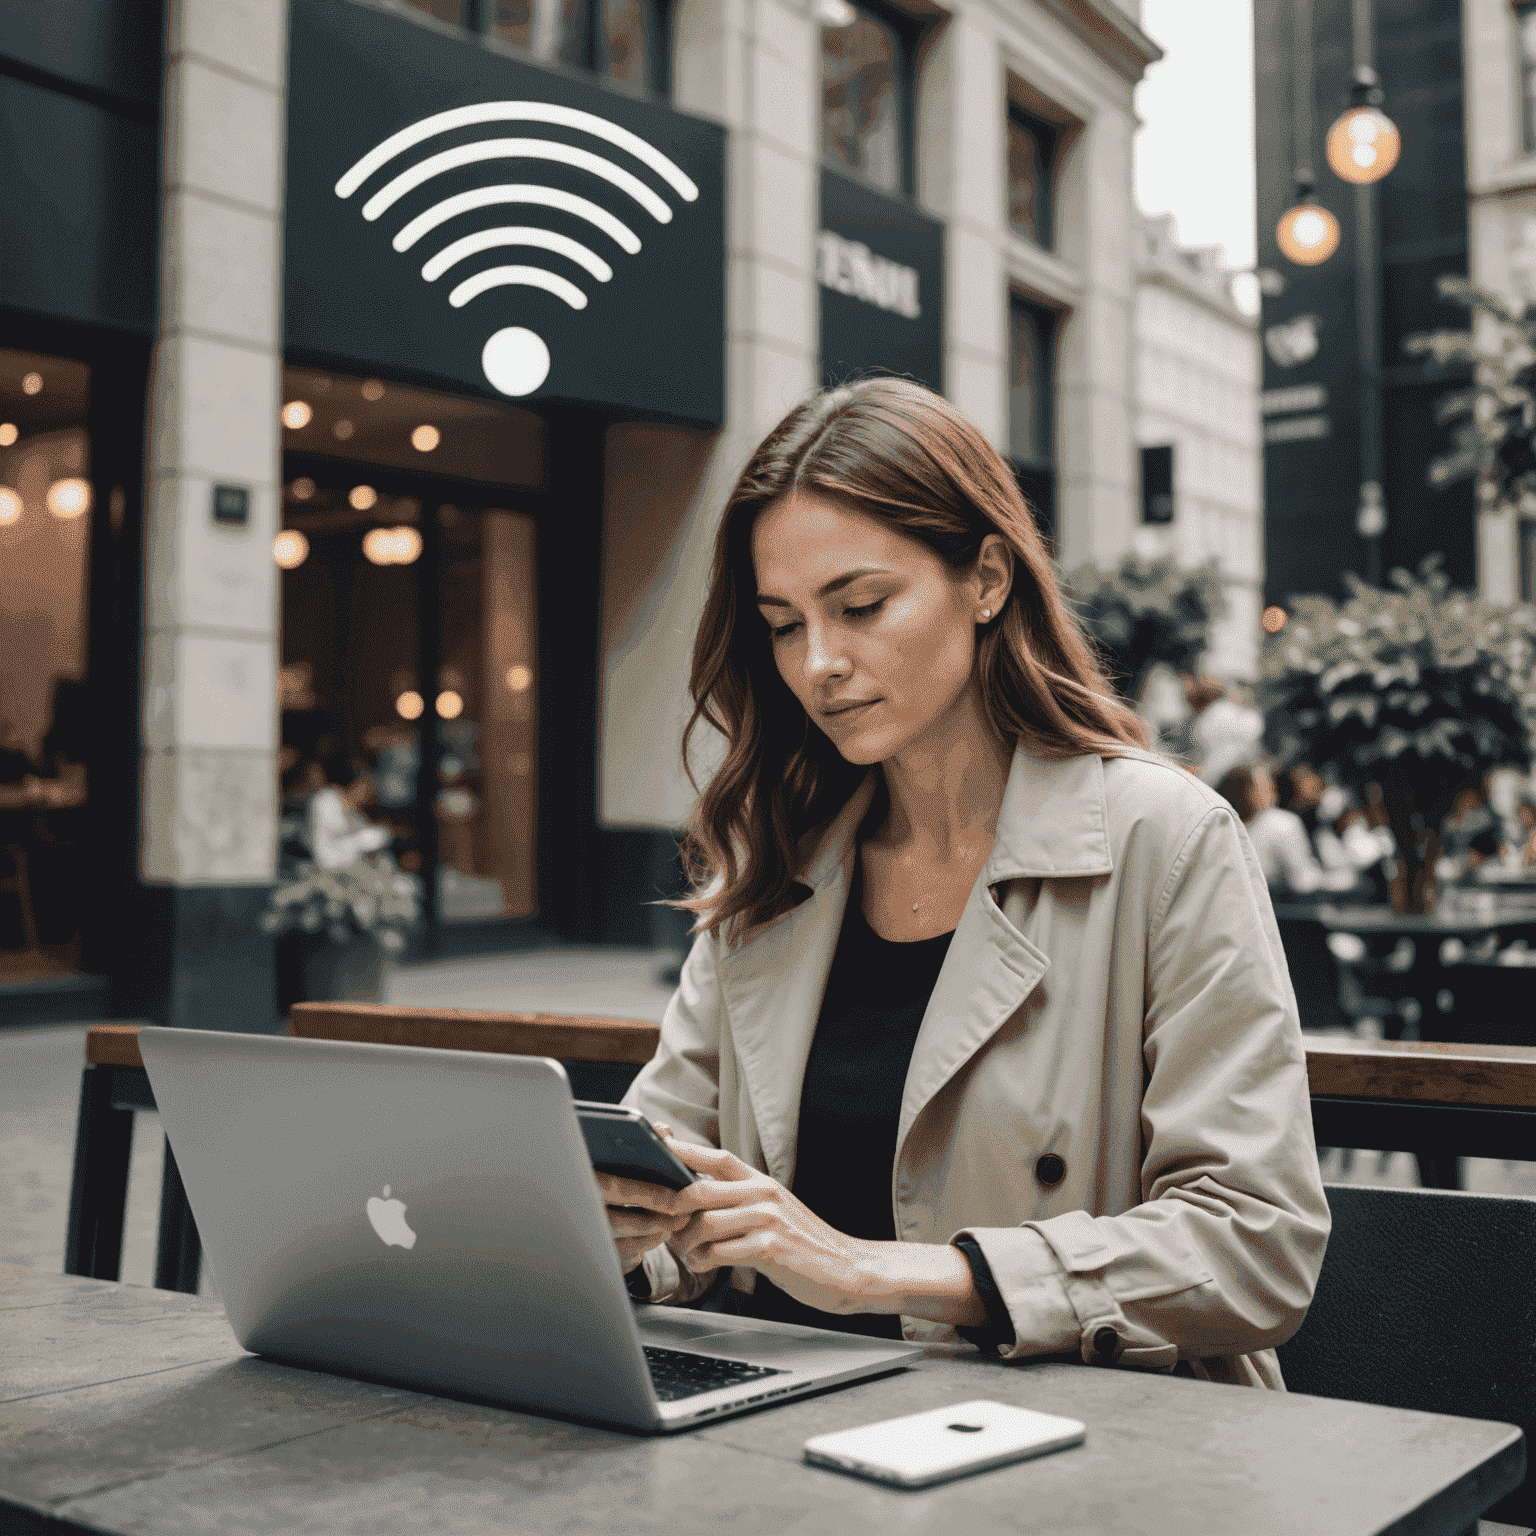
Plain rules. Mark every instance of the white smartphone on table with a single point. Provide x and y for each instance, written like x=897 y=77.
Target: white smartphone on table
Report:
x=931 y=1447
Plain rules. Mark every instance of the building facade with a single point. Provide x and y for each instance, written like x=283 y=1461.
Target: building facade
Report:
x=1197 y=431
x=1350 y=424
x=391 y=374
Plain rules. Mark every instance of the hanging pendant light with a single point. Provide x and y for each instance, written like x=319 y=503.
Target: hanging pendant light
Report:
x=1363 y=144
x=1307 y=233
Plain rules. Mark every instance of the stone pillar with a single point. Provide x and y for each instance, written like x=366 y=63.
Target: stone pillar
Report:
x=208 y=780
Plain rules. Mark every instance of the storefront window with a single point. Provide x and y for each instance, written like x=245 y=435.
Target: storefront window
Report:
x=1525 y=20
x=619 y=39
x=45 y=537
x=444 y=10
x=1031 y=404
x=864 y=113
x=1031 y=153
x=409 y=628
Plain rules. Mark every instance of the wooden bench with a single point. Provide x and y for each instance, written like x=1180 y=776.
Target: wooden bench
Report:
x=1440 y=1100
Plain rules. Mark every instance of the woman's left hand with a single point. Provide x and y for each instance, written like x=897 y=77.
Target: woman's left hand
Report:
x=749 y=1218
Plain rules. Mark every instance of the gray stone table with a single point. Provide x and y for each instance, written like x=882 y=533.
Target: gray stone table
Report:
x=132 y=1410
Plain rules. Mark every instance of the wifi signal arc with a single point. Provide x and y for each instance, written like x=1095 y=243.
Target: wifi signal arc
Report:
x=548 y=197
x=518 y=111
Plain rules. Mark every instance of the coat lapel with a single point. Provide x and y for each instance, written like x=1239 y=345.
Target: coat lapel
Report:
x=1053 y=823
x=772 y=986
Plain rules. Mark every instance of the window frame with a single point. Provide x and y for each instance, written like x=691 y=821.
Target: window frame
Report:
x=1049 y=137
x=476 y=18
x=1038 y=478
x=1525 y=78
x=909 y=31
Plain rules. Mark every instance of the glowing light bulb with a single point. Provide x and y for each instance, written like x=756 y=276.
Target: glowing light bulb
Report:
x=67 y=499
x=296 y=414
x=363 y=497
x=8 y=433
x=519 y=678
x=425 y=438
x=290 y=549
x=409 y=705
x=303 y=488
x=450 y=705
x=1363 y=145
x=373 y=389
x=1307 y=234
x=1274 y=619
x=10 y=506
x=32 y=384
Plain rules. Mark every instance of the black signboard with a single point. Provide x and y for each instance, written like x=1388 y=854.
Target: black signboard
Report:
x=479 y=222
x=880 y=269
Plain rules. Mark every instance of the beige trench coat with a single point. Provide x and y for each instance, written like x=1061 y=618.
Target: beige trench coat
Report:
x=1116 y=994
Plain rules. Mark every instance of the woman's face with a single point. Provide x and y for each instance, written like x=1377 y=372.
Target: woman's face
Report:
x=874 y=634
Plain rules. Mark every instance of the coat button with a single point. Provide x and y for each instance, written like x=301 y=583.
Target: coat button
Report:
x=1104 y=1342
x=1050 y=1169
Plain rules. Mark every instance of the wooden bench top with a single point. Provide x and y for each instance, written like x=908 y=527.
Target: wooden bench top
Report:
x=1498 y=1076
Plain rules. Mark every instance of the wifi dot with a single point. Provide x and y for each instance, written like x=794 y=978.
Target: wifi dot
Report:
x=515 y=360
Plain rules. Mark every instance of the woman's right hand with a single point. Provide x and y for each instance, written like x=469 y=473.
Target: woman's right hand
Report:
x=643 y=1216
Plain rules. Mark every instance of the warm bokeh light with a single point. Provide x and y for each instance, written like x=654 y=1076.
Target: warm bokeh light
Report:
x=10 y=506
x=425 y=438
x=343 y=430
x=410 y=705
x=296 y=414
x=519 y=678
x=303 y=488
x=1273 y=619
x=373 y=389
x=450 y=705
x=392 y=546
x=68 y=498
x=1363 y=145
x=32 y=384
x=290 y=549
x=1307 y=234
x=8 y=433
x=363 y=497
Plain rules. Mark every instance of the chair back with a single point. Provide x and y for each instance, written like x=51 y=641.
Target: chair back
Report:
x=1426 y=1300
x=601 y=1056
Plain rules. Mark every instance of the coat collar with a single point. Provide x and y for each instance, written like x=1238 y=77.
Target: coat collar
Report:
x=1052 y=823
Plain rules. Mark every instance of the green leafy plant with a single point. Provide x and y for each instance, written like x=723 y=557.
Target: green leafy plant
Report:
x=1143 y=612
x=1416 y=688
x=372 y=898
x=1493 y=417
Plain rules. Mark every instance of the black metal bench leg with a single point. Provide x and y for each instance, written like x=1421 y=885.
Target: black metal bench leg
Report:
x=1439 y=1170
x=93 y=1243
x=180 y=1252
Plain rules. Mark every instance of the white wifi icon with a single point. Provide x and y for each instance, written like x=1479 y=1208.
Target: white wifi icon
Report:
x=515 y=359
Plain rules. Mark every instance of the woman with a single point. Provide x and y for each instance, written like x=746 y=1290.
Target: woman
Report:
x=986 y=1025
x=1279 y=837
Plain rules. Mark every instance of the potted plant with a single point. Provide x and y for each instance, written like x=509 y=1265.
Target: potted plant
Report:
x=1417 y=688
x=1142 y=612
x=337 y=927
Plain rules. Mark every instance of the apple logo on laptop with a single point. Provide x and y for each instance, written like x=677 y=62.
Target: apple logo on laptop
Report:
x=387 y=1218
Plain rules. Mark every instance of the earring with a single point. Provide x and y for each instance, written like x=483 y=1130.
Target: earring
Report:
x=986 y=613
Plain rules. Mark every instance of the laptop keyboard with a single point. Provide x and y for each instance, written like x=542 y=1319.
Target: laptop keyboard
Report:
x=677 y=1374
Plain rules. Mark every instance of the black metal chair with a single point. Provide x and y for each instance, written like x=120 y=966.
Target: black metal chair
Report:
x=1427 y=1300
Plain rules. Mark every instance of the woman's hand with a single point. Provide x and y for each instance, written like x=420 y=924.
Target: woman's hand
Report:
x=740 y=1216
x=643 y=1216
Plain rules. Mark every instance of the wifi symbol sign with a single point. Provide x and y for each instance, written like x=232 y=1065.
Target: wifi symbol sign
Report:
x=516 y=360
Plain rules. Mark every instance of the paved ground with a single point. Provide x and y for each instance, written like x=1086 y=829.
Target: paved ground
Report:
x=40 y=1085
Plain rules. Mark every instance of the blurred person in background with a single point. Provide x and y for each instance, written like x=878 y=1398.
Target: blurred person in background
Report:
x=1279 y=837
x=335 y=828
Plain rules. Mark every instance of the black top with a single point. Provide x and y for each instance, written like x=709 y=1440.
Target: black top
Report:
x=850 y=1105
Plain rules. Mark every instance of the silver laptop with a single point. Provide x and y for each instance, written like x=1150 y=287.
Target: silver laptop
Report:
x=429 y=1218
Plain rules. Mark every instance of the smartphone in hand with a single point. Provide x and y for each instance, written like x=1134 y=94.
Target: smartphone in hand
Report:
x=622 y=1141
x=932 y=1447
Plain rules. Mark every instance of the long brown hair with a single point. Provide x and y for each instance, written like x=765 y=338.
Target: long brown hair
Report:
x=896 y=450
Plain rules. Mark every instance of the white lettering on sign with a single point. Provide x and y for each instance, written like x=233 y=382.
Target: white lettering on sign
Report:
x=1299 y=397
x=847 y=266
x=1296 y=429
